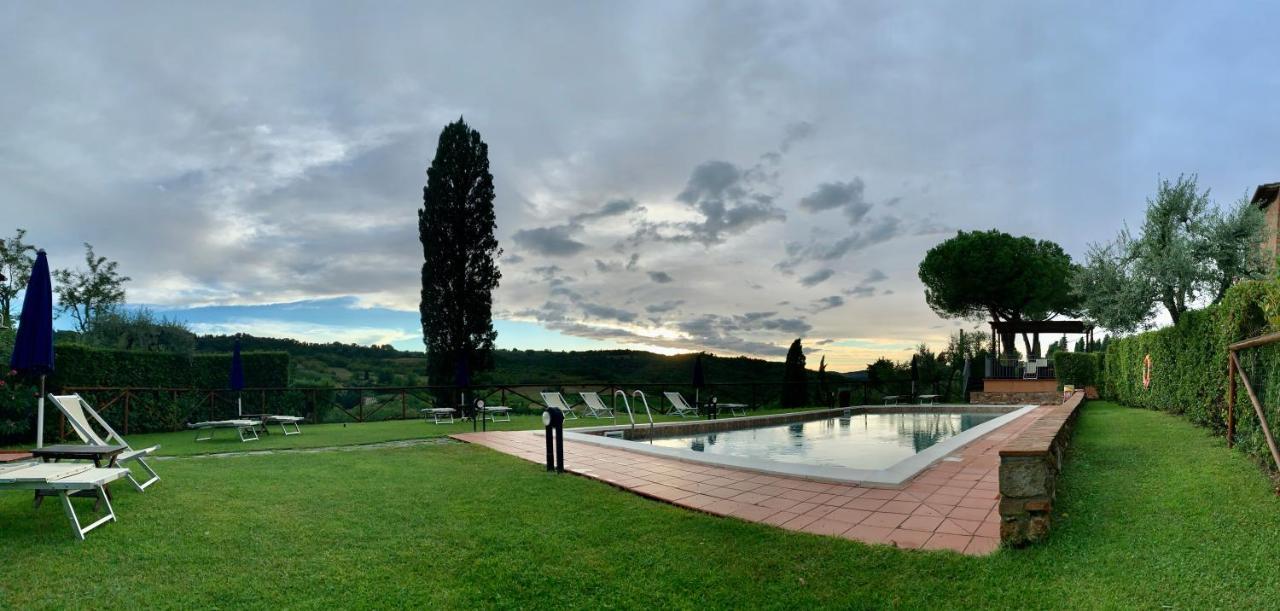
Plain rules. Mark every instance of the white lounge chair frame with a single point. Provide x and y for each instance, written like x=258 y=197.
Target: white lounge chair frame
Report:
x=493 y=412
x=78 y=412
x=556 y=400
x=438 y=413
x=247 y=429
x=66 y=479
x=596 y=407
x=679 y=406
x=285 y=422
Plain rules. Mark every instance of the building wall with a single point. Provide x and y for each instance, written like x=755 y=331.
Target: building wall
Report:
x=1271 y=245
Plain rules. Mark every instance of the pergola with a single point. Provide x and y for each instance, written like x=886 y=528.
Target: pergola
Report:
x=1036 y=327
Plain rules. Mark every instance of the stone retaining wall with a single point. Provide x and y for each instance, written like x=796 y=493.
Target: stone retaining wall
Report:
x=1016 y=398
x=1029 y=467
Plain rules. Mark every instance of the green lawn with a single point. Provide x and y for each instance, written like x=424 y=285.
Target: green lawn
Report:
x=183 y=443
x=1153 y=513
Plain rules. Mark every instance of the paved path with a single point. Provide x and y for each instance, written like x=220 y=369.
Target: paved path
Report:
x=951 y=505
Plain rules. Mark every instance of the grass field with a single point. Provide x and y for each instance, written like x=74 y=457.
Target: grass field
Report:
x=1153 y=513
x=183 y=443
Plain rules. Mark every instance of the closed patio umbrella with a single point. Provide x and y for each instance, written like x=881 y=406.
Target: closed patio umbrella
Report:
x=699 y=379
x=33 y=348
x=237 y=377
x=915 y=373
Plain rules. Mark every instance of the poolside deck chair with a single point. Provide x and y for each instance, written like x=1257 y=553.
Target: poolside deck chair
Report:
x=65 y=479
x=596 y=407
x=284 y=421
x=556 y=400
x=78 y=413
x=679 y=406
x=1031 y=370
x=247 y=429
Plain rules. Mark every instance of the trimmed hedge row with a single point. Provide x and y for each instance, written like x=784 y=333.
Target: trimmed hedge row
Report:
x=1079 y=368
x=1189 y=363
x=81 y=366
x=84 y=366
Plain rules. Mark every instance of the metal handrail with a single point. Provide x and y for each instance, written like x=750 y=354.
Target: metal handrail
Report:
x=640 y=393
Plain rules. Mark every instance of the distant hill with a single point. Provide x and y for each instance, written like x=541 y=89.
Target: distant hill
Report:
x=337 y=364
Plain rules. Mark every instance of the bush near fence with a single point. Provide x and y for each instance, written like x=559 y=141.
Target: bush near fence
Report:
x=1080 y=369
x=1189 y=363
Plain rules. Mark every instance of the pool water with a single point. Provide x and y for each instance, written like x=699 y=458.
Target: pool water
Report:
x=861 y=441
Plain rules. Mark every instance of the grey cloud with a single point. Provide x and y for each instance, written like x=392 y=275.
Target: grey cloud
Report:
x=512 y=258
x=880 y=231
x=795 y=132
x=817 y=277
x=666 y=306
x=604 y=267
x=827 y=303
x=860 y=292
x=873 y=276
x=615 y=207
x=660 y=277
x=831 y=195
x=554 y=241
x=607 y=312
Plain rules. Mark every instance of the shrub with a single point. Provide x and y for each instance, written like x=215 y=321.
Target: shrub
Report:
x=1189 y=363
x=1078 y=368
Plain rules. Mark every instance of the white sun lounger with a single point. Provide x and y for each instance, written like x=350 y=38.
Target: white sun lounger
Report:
x=438 y=414
x=679 y=406
x=284 y=421
x=596 y=407
x=247 y=429
x=78 y=412
x=554 y=399
x=65 y=479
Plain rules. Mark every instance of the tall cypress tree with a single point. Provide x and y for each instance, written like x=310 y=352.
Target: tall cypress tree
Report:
x=794 y=387
x=460 y=270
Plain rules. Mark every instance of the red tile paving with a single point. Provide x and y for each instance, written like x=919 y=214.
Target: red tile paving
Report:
x=951 y=505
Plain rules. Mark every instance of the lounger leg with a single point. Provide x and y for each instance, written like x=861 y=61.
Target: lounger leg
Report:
x=251 y=436
x=199 y=438
x=152 y=472
x=284 y=428
x=75 y=520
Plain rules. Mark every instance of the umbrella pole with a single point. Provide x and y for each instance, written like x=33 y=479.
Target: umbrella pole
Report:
x=40 y=416
x=239 y=406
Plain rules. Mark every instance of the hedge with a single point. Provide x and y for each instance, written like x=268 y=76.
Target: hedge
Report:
x=84 y=366
x=1080 y=369
x=1189 y=364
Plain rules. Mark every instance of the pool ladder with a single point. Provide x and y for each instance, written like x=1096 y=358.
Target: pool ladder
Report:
x=630 y=414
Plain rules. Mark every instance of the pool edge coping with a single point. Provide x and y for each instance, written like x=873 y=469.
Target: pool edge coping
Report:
x=894 y=476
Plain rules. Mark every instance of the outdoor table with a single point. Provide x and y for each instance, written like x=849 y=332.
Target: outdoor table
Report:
x=929 y=398
x=73 y=451
x=439 y=412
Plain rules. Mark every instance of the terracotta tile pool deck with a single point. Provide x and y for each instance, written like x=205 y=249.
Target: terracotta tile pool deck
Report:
x=950 y=505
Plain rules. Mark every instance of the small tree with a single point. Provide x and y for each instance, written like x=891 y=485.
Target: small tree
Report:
x=1189 y=251
x=460 y=271
x=794 y=383
x=85 y=293
x=139 y=330
x=16 y=259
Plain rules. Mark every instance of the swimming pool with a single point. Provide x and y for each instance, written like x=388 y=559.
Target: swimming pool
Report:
x=865 y=445
x=861 y=441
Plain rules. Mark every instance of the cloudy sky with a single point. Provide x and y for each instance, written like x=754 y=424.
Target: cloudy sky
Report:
x=670 y=176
